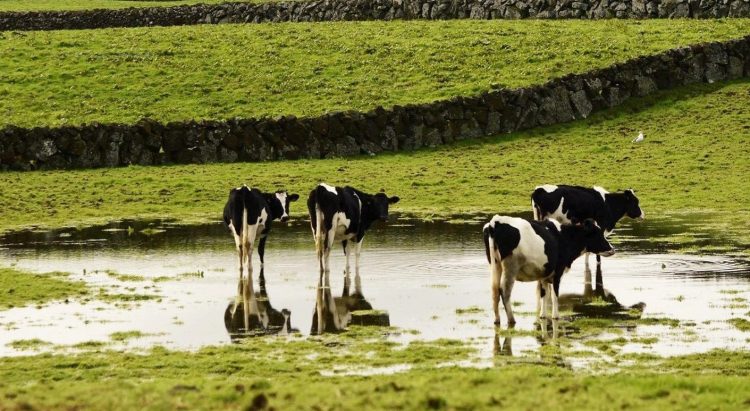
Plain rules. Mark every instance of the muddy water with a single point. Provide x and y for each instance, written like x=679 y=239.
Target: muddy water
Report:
x=428 y=277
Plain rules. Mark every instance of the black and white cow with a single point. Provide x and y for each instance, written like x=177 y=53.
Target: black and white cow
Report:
x=573 y=204
x=248 y=214
x=523 y=250
x=343 y=214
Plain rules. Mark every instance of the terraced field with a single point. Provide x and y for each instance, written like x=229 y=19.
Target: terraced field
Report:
x=696 y=131
x=226 y=71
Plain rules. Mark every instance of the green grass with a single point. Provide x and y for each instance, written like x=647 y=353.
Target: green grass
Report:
x=695 y=158
x=36 y=5
x=226 y=71
x=20 y=288
x=280 y=373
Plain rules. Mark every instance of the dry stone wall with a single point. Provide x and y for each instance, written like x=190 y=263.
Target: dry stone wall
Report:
x=338 y=10
x=397 y=128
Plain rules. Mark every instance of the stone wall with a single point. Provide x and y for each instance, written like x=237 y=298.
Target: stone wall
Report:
x=334 y=10
x=352 y=133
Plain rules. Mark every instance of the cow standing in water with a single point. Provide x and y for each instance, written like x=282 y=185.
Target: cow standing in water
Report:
x=343 y=214
x=542 y=251
x=573 y=204
x=248 y=215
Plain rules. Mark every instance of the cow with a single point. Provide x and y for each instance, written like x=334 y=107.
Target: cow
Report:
x=248 y=215
x=343 y=214
x=573 y=204
x=542 y=251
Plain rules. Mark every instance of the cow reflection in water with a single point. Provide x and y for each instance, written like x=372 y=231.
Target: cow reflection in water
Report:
x=605 y=303
x=605 y=306
x=333 y=314
x=251 y=313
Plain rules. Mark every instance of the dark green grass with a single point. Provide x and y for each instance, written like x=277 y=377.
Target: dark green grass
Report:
x=37 y=5
x=219 y=72
x=695 y=158
x=278 y=373
x=20 y=288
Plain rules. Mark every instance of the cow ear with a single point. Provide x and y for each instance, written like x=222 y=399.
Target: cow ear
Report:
x=393 y=200
x=629 y=193
x=293 y=197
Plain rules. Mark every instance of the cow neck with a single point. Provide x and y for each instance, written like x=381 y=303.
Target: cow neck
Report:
x=368 y=213
x=571 y=244
x=617 y=204
x=274 y=211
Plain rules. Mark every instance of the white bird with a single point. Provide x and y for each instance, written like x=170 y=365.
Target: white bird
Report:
x=639 y=138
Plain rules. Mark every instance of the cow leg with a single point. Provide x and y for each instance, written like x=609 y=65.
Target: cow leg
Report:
x=540 y=294
x=554 y=293
x=598 y=260
x=327 y=254
x=546 y=299
x=347 y=254
x=496 y=271
x=506 y=287
x=262 y=249
x=586 y=261
x=241 y=258
x=357 y=278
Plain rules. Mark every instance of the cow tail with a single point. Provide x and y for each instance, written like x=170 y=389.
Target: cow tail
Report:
x=244 y=222
x=489 y=242
x=319 y=232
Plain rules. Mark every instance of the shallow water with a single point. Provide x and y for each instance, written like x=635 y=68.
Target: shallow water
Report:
x=419 y=273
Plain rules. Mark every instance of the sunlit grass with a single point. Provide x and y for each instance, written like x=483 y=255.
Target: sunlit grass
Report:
x=305 y=69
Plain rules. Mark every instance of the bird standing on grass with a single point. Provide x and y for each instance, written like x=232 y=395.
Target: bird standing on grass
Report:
x=639 y=138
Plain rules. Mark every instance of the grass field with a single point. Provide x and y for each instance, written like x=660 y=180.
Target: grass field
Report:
x=279 y=373
x=37 y=5
x=217 y=72
x=695 y=157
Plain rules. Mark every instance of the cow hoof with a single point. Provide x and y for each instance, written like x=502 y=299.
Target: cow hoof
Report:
x=497 y=322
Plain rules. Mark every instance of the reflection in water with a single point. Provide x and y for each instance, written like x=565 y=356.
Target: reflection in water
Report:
x=598 y=302
x=594 y=302
x=252 y=314
x=333 y=314
x=548 y=331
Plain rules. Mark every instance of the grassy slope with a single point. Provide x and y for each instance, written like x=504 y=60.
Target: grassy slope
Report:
x=19 y=289
x=175 y=73
x=231 y=377
x=35 y=5
x=695 y=157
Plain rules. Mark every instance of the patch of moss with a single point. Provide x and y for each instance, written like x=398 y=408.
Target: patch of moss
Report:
x=18 y=288
x=740 y=323
x=126 y=335
x=34 y=344
x=469 y=310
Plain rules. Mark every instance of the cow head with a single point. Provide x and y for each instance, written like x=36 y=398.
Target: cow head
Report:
x=380 y=203
x=594 y=239
x=280 y=204
x=633 y=209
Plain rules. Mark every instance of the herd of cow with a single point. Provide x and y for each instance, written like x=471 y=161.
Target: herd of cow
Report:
x=568 y=221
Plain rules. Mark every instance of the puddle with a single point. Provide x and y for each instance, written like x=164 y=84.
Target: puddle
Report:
x=430 y=279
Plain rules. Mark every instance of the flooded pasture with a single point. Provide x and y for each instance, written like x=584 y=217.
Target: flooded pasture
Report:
x=179 y=287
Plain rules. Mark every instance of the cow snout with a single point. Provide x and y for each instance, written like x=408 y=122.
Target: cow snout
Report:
x=642 y=216
x=285 y=219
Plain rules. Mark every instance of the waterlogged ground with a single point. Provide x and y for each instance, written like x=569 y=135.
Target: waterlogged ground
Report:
x=158 y=284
